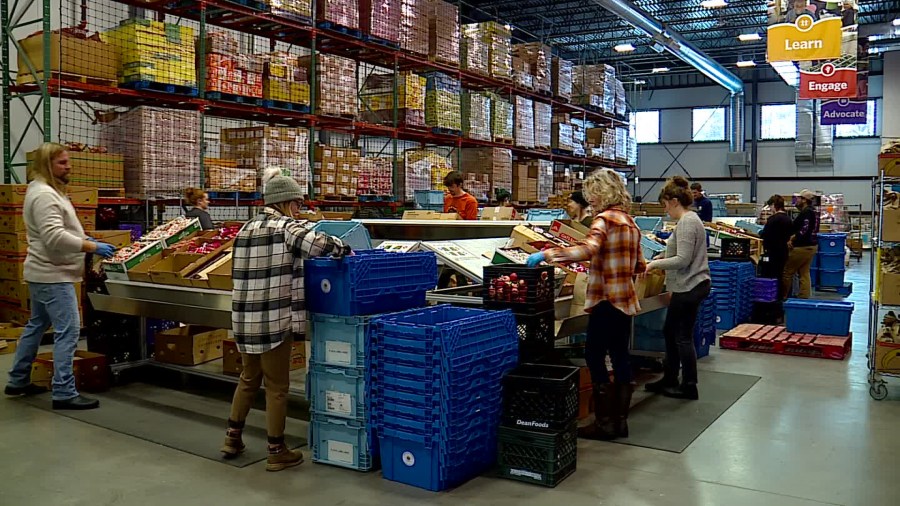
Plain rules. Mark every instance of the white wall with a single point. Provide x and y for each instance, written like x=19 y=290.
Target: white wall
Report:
x=853 y=158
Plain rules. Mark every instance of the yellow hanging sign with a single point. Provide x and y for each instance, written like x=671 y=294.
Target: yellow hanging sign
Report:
x=805 y=39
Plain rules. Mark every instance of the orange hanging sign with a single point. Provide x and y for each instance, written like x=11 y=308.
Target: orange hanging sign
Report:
x=805 y=39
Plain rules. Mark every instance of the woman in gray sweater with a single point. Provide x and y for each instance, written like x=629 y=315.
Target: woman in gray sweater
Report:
x=689 y=281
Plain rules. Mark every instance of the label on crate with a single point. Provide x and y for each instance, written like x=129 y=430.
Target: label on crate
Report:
x=339 y=451
x=532 y=423
x=337 y=352
x=526 y=474
x=338 y=402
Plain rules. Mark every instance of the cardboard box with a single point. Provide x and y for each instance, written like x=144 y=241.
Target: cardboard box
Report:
x=8 y=346
x=14 y=244
x=498 y=213
x=87 y=218
x=69 y=55
x=891 y=224
x=569 y=231
x=90 y=370
x=429 y=215
x=523 y=235
x=119 y=270
x=12 y=268
x=82 y=196
x=173 y=269
x=220 y=277
x=200 y=279
x=232 y=360
x=189 y=345
x=890 y=164
x=11 y=331
x=890 y=288
x=887 y=357
x=11 y=220
x=118 y=238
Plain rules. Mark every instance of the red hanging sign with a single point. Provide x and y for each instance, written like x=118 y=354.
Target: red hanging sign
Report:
x=828 y=81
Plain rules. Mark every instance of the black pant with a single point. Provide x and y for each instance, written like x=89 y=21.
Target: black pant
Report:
x=609 y=331
x=679 y=333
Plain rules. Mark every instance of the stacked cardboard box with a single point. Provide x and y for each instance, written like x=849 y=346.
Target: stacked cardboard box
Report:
x=566 y=180
x=621 y=106
x=601 y=143
x=419 y=168
x=380 y=18
x=339 y=12
x=376 y=176
x=230 y=71
x=621 y=144
x=525 y=180
x=476 y=115
x=284 y=80
x=336 y=93
x=335 y=171
x=224 y=175
x=595 y=85
x=153 y=51
x=413 y=29
x=377 y=99
x=524 y=132
x=477 y=185
x=474 y=50
x=442 y=101
x=578 y=138
x=502 y=118
x=95 y=170
x=495 y=163
x=542 y=130
x=261 y=148
x=534 y=59
x=70 y=53
x=443 y=32
x=545 y=179
x=521 y=74
x=561 y=82
x=561 y=136
x=498 y=37
x=300 y=10
x=160 y=147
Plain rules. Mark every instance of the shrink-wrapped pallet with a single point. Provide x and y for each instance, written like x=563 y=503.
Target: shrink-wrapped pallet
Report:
x=336 y=93
x=498 y=38
x=338 y=12
x=476 y=115
x=298 y=10
x=420 y=168
x=376 y=176
x=542 y=114
x=595 y=86
x=442 y=101
x=414 y=26
x=474 y=51
x=284 y=80
x=380 y=18
x=524 y=127
x=496 y=163
x=443 y=32
x=502 y=119
x=561 y=82
x=536 y=61
x=230 y=71
x=264 y=147
x=152 y=51
x=377 y=99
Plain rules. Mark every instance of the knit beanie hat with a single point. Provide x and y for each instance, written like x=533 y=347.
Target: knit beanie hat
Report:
x=280 y=188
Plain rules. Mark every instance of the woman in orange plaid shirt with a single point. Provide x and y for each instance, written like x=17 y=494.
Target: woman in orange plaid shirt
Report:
x=614 y=249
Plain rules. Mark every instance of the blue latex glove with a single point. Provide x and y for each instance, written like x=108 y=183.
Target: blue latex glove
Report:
x=535 y=259
x=105 y=250
x=91 y=239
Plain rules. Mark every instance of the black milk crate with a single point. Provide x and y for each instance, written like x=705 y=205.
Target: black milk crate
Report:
x=537 y=335
x=767 y=313
x=735 y=249
x=539 y=284
x=537 y=457
x=540 y=397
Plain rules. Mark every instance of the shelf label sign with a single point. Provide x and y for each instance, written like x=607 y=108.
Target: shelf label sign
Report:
x=805 y=39
x=828 y=81
x=844 y=112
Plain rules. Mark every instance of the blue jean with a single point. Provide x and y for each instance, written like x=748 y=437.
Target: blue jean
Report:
x=609 y=331
x=51 y=304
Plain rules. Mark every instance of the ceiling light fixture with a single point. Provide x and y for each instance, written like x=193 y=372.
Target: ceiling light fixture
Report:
x=657 y=70
x=713 y=4
x=746 y=63
x=896 y=22
x=749 y=37
x=624 y=48
x=640 y=82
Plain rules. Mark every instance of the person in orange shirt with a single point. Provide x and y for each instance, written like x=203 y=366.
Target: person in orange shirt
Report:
x=457 y=200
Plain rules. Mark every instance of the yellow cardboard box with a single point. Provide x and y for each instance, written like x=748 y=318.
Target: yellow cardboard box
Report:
x=69 y=55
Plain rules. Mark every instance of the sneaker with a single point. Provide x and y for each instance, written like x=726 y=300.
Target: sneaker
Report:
x=233 y=446
x=282 y=458
x=79 y=402
x=29 y=389
x=688 y=392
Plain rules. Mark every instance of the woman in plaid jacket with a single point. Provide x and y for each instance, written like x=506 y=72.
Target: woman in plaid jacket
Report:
x=268 y=309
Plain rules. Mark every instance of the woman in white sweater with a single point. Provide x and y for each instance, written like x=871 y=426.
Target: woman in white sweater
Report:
x=688 y=279
x=54 y=263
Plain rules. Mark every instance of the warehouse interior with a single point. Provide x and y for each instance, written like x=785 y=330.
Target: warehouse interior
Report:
x=373 y=108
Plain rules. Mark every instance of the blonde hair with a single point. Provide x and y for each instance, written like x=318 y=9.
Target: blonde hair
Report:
x=607 y=187
x=193 y=195
x=41 y=168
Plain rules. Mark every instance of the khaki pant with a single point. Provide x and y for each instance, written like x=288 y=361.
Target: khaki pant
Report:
x=273 y=365
x=798 y=262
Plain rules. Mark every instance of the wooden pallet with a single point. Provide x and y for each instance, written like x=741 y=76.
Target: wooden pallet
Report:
x=777 y=340
x=501 y=140
x=65 y=76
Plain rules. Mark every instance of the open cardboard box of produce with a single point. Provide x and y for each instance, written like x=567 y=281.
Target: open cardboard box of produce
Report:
x=220 y=277
x=172 y=269
x=201 y=278
x=129 y=268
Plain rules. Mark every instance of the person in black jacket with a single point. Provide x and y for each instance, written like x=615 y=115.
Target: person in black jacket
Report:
x=775 y=236
x=198 y=201
x=803 y=246
x=702 y=204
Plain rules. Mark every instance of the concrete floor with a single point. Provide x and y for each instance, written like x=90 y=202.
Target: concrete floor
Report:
x=806 y=434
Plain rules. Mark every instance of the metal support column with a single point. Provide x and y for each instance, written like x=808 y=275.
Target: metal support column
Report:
x=754 y=140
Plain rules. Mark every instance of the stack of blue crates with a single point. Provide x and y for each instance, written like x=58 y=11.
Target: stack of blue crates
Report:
x=830 y=261
x=765 y=290
x=733 y=284
x=341 y=295
x=705 y=328
x=438 y=384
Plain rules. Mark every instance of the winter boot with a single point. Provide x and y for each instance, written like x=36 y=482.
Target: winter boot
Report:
x=604 y=427
x=624 y=391
x=234 y=444
x=280 y=457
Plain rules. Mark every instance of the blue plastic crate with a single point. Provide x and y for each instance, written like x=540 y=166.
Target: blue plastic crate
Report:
x=338 y=340
x=648 y=223
x=726 y=319
x=818 y=316
x=830 y=261
x=650 y=247
x=814 y=276
x=832 y=243
x=351 y=233
x=337 y=391
x=546 y=214
x=815 y=261
x=341 y=442
x=831 y=279
x=411 y=463
x=429 y=197
x=369 y=282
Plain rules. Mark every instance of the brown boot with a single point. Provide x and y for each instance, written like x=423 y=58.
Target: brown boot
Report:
x=234 y=444
x=624 y=391
x=280 y=457
x=603 y=428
